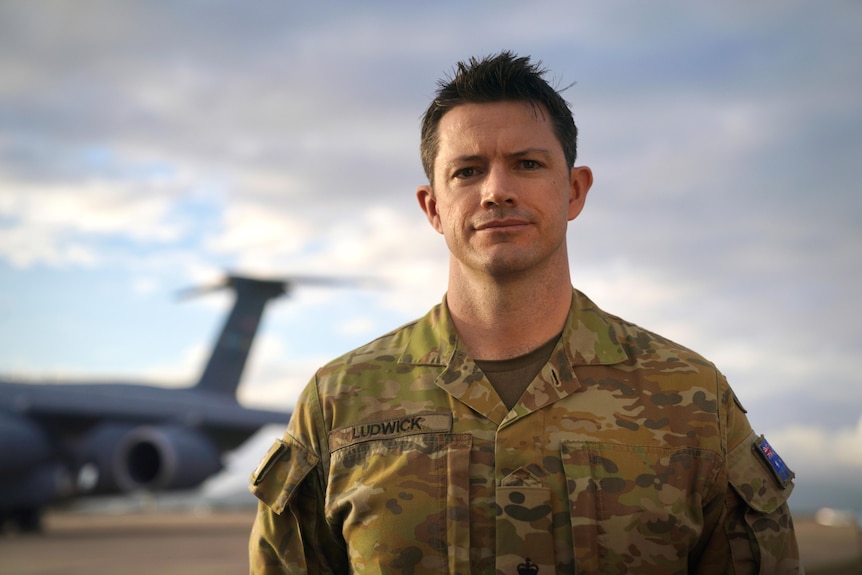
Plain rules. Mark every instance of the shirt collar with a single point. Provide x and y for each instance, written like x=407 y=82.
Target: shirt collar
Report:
x=589 y=337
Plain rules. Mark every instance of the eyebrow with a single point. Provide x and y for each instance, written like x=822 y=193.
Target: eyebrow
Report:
x=467 y=158
x=530 y=152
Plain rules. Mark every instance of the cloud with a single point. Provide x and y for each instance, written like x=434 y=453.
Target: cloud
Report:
x=819 y=453
x=63 y=223
x=263 y=233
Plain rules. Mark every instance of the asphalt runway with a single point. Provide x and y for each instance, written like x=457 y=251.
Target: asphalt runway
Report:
x=214 y=543
x=153 y=543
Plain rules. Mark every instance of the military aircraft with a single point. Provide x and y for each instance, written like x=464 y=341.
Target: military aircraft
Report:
x=60 y=441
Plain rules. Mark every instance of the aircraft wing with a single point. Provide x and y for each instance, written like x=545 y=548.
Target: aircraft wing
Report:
x=76 y=407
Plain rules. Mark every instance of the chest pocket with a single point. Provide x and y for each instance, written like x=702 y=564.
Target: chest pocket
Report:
x=402 y=503
x=635 y=506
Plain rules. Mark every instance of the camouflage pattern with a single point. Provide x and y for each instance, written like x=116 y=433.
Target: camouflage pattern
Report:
x=626 y=454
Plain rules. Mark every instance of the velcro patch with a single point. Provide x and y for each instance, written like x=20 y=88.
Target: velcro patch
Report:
x=268 y=461
x=429 y=422
x=779 y=469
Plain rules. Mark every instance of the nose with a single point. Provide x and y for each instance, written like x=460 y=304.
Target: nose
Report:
x=498 y=188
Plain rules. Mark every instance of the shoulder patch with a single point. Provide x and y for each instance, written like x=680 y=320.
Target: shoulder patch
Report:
x=773 y=461
x=428 y=422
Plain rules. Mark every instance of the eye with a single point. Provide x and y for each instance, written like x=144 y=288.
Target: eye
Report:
x=464 y=173
x=530 y=164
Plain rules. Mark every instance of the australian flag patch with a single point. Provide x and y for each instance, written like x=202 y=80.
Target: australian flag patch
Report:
x=779 y=469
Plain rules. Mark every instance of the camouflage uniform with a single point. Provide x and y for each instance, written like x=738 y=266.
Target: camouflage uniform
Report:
x=626 y=454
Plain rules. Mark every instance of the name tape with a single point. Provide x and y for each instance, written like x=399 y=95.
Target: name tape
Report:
x=431 y=422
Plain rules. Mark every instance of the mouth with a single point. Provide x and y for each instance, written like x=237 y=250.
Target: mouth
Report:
x=502 y=225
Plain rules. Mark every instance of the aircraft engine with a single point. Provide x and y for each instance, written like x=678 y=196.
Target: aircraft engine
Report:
x=151 y=458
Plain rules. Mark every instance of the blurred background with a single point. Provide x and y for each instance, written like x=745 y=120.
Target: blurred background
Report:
x=147 y=147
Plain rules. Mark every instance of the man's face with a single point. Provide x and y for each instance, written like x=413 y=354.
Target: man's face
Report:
x=503 y=192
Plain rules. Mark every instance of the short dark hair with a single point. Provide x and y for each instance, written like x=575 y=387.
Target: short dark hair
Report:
x=497 y=78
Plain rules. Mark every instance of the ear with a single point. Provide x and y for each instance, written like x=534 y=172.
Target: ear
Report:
x=428 y=203
x=580 y=182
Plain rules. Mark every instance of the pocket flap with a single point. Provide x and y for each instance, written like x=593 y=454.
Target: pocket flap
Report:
x=754 y=480
x=281 y=471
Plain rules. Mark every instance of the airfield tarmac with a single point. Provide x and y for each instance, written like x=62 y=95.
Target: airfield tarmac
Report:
x=214 y=543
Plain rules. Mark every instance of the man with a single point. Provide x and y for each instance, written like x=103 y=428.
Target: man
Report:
x=517 y=428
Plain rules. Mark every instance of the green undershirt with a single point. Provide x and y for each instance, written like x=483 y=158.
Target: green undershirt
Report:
x=510 y=377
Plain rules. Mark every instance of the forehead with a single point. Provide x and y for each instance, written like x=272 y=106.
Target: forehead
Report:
x=489 y=128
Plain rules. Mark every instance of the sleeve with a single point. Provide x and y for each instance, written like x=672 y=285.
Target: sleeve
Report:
x=758 y=523
x=748 y=529
x=290 y=533
x=756 y=529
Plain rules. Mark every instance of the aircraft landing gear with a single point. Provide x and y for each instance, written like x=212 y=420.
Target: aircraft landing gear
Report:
x=22 y=520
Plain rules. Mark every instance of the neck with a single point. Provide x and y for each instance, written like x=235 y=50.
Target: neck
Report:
x=501 y=318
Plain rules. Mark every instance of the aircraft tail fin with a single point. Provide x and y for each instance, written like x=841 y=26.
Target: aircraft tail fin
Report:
x=226 y=363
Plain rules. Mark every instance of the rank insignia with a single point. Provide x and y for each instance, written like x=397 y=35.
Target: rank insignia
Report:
x=779 y=469
x=528 y=568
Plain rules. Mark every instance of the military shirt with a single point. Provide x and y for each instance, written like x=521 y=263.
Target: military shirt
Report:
x=627 y=453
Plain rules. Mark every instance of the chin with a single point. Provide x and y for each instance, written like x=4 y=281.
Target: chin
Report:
x=501 y=267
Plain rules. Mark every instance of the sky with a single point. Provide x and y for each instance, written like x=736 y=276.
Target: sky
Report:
x=152 y=146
